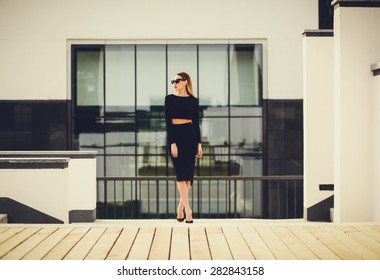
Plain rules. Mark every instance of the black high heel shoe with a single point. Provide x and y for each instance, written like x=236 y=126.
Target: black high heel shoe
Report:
x=189 y=222
x=181 y=219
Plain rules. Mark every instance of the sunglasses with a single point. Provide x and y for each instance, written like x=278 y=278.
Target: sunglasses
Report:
x=176 y=81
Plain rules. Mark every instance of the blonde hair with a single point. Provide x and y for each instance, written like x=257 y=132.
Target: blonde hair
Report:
x=189 y=86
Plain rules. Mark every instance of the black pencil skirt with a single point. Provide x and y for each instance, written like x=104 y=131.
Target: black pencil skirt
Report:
x=185 y=137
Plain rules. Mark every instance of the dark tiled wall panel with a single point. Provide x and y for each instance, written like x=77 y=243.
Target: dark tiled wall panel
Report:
x=284 y=136
x=34 y=125
x=283 y=155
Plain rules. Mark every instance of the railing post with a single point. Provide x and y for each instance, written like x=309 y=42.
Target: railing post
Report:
x=157 y=199
x=235 y=198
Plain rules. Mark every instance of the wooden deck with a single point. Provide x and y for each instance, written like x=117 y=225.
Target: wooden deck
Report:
x=204 y=240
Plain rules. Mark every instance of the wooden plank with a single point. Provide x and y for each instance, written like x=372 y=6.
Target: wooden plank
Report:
x=199 y=249
x=16 y=239
x=355 y=246
x=348 y=229
x=22 y=249
x=9 y=233
x=2 y=229
x=376 y=227
x=66 y=244
x=38 y=252
x=366 y=241
x=374 y=234
x=318 y=248
x=218 y=245
x=275 y=244
x=180 y=247
x=161 y=244
x=257 y=246
x=294 y=244
x=123 y=244
x=103 y=246
x=237 y=244
x=83 y=247
x=334 y=244
x=141 y=247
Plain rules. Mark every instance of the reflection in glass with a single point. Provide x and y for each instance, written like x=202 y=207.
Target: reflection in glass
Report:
x=120 y=143
x=120 y=166
x=246 y=134
x=214 y=132
x=182 y=58
x=245 y=74
x=215 y=145
x=151 y=139
x=246 y=145
x=246 y=111
x=120 y=78
x=91 y=142
x=90 y=78
x=133 y=138
x=99 y=166
x=150 y=76
x=213 y=75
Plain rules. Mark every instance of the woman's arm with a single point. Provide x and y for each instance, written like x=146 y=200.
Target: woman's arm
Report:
x=195 y=120
x=168 y=121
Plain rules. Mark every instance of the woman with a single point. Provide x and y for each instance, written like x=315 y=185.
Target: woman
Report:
x=183 y=133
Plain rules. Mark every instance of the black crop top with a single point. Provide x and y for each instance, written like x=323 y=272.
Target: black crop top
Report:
x=177 y=107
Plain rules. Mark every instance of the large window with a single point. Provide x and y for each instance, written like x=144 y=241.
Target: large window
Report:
x=118 y=97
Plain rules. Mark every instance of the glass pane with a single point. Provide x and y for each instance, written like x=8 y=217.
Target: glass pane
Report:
x=213 y=75
x=246 y=146
x=99 y=166
x=151 y=75
x=245 y=74
x=214 y=133
x=246 y=111
x=90 y=79
x=151 y=164
x=246 y=135
x=151 y=139
x=151 y=142
x=120 y=78
x=120 y=166
x=215 y=147
x=213 y=165
x=120 y=142
x=91 y=142
x=209 y=111
x=182 y=58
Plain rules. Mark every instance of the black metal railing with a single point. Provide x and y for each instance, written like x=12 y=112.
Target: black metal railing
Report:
x=261 y=197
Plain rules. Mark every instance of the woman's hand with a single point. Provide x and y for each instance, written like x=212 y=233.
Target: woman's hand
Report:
x=174 y=150
x=199 y=153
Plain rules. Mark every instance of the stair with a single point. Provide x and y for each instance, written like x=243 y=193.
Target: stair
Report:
x=3 y=219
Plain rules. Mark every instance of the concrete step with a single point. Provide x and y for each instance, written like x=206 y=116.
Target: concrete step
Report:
x=3 y=219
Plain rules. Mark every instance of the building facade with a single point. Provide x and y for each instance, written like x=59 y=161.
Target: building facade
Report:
x=92 y=75
x=76 y=75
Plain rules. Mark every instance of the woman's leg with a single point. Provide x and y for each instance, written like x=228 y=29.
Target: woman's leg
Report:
x=183 y=192
x=181 y=207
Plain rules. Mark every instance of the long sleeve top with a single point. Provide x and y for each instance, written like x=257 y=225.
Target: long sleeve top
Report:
x=177 y=107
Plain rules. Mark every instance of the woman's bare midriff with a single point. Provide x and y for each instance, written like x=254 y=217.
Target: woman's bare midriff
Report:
x=180 y=121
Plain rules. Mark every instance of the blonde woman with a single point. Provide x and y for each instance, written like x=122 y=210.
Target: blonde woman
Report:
x=184 y=140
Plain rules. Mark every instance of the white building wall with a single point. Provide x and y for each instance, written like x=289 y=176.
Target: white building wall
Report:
x=34 y=51
x=318 y=117
x=356 y=48
x=376 y=148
